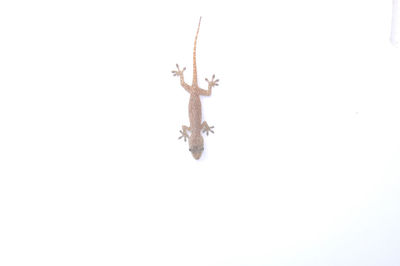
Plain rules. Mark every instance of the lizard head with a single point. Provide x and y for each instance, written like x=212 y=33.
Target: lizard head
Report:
x=196 y=145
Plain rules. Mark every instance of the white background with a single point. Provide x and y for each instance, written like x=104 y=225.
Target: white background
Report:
x=303 y=168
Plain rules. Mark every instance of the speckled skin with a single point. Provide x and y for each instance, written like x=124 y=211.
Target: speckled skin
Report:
x=196 y=141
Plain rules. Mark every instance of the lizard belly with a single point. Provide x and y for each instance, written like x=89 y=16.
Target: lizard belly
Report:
x=195 y=113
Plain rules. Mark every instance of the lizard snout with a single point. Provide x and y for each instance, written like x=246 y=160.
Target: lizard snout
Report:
x=196 y=151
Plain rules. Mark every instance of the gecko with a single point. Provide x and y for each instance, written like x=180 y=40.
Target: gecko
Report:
x=197 y=126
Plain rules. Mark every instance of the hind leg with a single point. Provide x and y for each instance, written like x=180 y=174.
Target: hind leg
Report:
x=179 y=73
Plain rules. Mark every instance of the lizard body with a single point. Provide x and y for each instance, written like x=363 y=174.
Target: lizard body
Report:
x=196 y=141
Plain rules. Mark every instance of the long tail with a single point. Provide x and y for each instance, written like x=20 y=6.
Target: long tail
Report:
x=194 y=56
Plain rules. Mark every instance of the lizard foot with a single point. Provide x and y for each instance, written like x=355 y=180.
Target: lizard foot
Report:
x=213 y=82
x=178 y=72
x=184 y=135
x=207 y=129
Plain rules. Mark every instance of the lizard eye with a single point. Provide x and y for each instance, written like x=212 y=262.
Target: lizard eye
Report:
x=190 y=149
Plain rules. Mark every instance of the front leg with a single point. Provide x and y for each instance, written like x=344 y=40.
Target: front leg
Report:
x=206 y=128
x=184 y=133
x=180 y=74
x=211 y=84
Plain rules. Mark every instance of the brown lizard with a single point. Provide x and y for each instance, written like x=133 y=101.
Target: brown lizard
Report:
x=196 y=142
